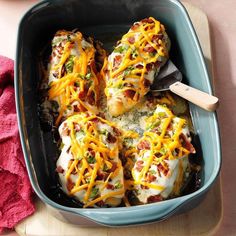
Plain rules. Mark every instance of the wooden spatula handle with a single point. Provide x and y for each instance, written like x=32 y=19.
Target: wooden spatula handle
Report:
x=203 y=100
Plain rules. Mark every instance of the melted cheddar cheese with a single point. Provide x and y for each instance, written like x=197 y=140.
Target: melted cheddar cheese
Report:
x=162 y=156
x=93 y=172
x=144 y=149
x=73 y=79
x=130 y=69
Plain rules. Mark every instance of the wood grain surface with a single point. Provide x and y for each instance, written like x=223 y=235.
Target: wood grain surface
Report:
x=203 y=220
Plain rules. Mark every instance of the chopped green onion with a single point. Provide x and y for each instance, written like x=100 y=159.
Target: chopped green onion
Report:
x=118 y=184
x=94 y=192
x=69 y=64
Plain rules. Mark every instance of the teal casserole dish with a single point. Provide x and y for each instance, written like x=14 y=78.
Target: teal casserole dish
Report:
x=102 y=19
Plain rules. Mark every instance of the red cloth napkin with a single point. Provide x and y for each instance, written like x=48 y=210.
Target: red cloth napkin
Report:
x=15 y=189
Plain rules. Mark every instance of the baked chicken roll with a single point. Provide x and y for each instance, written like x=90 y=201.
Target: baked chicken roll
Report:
x=162 y=164
x=89 y=166
x=73 y=78
x=130 y=69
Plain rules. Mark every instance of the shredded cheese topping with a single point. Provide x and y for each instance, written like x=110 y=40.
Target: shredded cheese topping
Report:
x=130 y=69
x=73 y=78
x=95 y=164
x=160 y=145
x=91 y=168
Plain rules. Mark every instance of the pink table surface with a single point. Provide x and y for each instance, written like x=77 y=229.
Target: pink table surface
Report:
x=222 y=18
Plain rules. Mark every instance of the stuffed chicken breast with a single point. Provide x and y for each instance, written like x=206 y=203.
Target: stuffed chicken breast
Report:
x=162 y=164
x=89 y=166
x=130 y=69
x=72 y=74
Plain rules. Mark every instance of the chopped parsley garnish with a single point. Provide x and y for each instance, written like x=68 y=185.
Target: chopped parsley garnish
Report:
x=91 y=159
x=118 y=184
x=163 y=151
x=88 y=76
x=76 y=84
x=152 y=172
x=152 y=54
x=69 y=64
x=94 y=192
x=121 y=49
x=85 y=77
x=69 y=107
x=154 y=125
x=105 y=167
x=68 y=38
x=120 y=86
x=128 y=70
x=128 y=142
x=134 y=53
x=104 y=132
x=61 y=146
x=161 y=114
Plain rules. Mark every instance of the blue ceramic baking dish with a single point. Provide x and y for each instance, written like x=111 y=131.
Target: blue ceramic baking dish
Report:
x=106 y=20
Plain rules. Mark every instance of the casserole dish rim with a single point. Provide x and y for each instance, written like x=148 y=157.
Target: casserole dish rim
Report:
x=176 y=203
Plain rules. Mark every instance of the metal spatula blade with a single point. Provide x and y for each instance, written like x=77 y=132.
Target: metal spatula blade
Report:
x=168 y=75
x=169 y=78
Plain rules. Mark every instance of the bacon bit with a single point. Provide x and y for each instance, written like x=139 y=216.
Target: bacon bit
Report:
x=129 y=93
x=156 y=37
x=139 y=165
x=76 y=108
x=91 y=98
x=82 y=95
x=68 y=150
x=156 y=131
x=94 y=120
x=101 y=175
x=116 y=131
x=147 y=20
x=77 y=127
x=161 y=168
x=169 y=127
x=111 y=138
x=100 y=203
x=135 y=26
x=127 y=174
x=117 y=61
x=157 y=64
x=131 y=40
x=146 y=83
x=55 y=74
x=102 y=115
x=144 y=187
x=113 y=168
x=69 y=185
x=65 y=131
x=150 y=178
x=139 y=66
x=155 y=198
x=91 y=152
x=110 y=186
x=143 y=145
x=60 y=170
x=149 y=66
x=186 y=144
x=149 y=48
x=81 y=108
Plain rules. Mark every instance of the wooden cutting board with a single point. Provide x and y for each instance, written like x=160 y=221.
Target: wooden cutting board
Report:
x=203 y=220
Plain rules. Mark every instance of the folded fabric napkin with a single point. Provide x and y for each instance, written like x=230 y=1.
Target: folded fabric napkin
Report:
x=15 y=189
